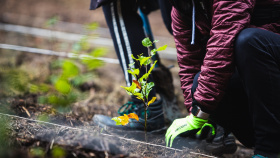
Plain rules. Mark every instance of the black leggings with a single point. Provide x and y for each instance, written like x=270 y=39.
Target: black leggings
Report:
x=251 y=106
x=126 y=28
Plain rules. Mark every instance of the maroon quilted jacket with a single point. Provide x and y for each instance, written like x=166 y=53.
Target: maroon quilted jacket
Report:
x=220 y=21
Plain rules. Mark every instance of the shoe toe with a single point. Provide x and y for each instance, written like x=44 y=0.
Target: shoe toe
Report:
x=102 y=120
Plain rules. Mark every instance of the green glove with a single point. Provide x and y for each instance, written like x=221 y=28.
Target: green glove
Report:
x=187 y=126
x=207 y=132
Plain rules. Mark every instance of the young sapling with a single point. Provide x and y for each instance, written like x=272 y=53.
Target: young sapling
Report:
x=140 y=86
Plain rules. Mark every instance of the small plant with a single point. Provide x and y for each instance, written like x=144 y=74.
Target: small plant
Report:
x=140 y=86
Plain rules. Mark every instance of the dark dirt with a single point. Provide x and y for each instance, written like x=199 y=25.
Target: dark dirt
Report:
x=79 y=138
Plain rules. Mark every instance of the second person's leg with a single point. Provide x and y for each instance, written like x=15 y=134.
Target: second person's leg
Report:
x=258 y=62
x=126 y=28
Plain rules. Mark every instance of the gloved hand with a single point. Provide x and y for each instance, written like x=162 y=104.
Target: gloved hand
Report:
x=184 y=126
x=207 y=132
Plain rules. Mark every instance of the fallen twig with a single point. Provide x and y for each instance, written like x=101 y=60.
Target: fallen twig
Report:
x=27 y=112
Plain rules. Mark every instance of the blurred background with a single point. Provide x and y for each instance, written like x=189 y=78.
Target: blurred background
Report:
x=34 y=34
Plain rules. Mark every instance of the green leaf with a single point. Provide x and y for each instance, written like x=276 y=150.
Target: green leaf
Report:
x=53 y=99
x=132 y=90
x=38 y=88
x=58 y=152
x=34 y=88
x=146 y=42
x=84 y=43
x=162 y=48
x=44 y=87
x=131 y=65
x=134 y=72
x=133 y=57
x=69 y=69
x=153 y=51
x=37 y=152
x=140 y=95
x=92 y=63
x=151 y=69
x=117 y=120
x=149 y=87
x=146 y=75
x=80 y=79
x=155 y=41
x=63 y=86
x=61 y=102
x=144 y=60
x=92 y=26
x=98 y=52
x=143 y=83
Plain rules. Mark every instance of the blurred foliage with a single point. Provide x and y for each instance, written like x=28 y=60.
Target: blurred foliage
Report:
x=91 y=26
x=3 y=135
x=58 y=152
x=52 y=21
x=68 y=74
x=13 y=81
x=6 y=144
x=37 y=152
x=43 y=117
x=61 y=88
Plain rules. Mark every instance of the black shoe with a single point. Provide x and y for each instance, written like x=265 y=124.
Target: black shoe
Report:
x=155 y=118
x=222 y=143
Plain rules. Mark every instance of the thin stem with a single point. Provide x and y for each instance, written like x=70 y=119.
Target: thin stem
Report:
x=149 y=51
x=145 y=118
x=145 y=122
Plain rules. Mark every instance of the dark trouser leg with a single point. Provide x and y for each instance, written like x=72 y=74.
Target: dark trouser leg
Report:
x=127 y=32
x=258 y=63
x=165 y=8
x=232 y=112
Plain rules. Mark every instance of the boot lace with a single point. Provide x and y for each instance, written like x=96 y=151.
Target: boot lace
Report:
x=127 y=108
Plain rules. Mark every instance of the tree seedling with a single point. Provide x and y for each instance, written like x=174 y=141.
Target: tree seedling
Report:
x=140 y=86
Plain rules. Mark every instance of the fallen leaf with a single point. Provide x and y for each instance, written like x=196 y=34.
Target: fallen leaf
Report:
x=124 y=119
x=133 y=116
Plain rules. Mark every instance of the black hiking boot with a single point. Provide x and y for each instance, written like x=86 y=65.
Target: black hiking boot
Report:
x=223 y=143
x=155 y=118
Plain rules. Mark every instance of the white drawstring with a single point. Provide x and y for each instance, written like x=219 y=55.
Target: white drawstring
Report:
x=193 y=23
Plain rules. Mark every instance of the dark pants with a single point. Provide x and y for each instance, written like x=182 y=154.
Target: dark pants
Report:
x=126 y=28
x=250 y=108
